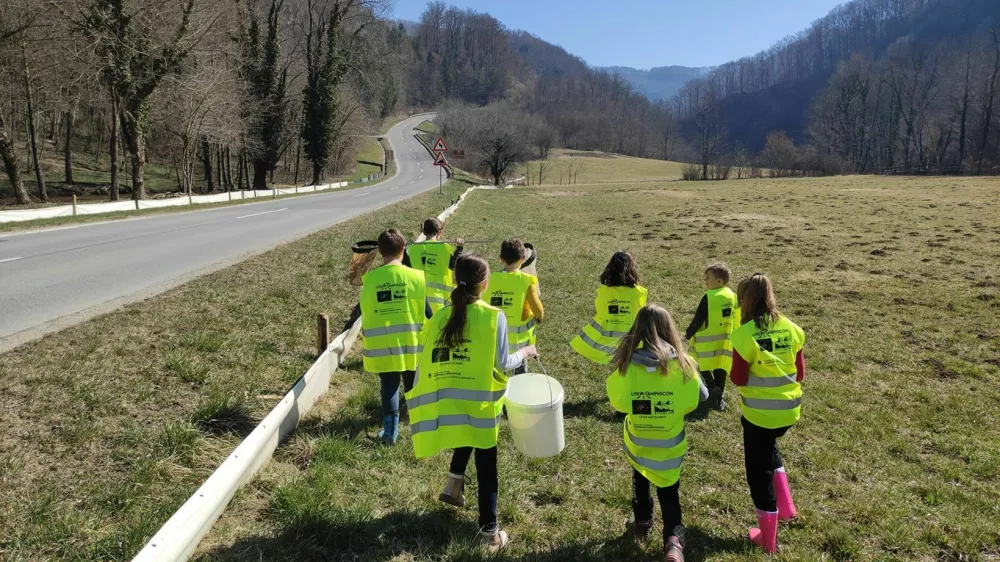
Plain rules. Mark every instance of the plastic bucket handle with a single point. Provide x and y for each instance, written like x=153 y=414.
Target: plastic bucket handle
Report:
x=548 y=382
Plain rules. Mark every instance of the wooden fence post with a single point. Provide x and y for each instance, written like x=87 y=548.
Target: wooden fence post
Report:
x=74 y=204
x=322 y=333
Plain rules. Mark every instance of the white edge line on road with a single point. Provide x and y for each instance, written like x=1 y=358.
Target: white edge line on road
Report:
x=10 y=259
x=264 y=213
x=360 y=194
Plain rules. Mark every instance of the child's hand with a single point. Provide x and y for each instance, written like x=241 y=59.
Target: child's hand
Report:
x=530 y=352
x=460 y=242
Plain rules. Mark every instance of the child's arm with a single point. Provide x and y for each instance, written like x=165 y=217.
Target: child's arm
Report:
x=699 y=320
x=740 y=373
x=800 y=366
x=535 y=304
x=616 y=388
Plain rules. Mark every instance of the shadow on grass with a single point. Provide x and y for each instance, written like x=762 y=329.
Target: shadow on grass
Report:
x=699 y=545
x=597 y=408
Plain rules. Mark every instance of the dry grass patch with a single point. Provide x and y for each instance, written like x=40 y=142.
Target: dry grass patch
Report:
x=599 y=167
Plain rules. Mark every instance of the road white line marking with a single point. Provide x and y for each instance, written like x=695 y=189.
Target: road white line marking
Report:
x=264 y=213
x=360 y=194
x=395 y=188
x=10 y=259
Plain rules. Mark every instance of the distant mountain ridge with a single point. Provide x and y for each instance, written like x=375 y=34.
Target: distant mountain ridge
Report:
x=659 y=83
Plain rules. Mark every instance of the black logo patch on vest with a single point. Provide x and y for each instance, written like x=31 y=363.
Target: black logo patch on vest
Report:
x=765 y=344
x=642 y=407
x=496 y=301
x=384 y=296
x=727 y=312
x=440 y=355
x=613 y=309
x=662 y=407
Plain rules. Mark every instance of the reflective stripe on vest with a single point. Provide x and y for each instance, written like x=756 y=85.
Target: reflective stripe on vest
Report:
x=771 y=404
x=455 y=394
x=716 y=353
x=668 y=464
x=401 y=329
x=706 y=339
x=439 y=287
x=515 y=347
x=390 y=351
x=771 y=382
x=658 y=443
x=437 y=300
x=589 y=341
x=454 y=420
x=607 y=333
x=522 y=329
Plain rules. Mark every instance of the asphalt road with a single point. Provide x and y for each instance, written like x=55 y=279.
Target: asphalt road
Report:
x=52 y=279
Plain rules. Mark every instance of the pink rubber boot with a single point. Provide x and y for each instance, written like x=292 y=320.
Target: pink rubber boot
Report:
x=786 y=507
x=765 y=535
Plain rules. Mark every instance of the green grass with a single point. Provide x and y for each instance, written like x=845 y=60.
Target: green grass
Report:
x=895 y=282
x=370 y=159
x=110 y=425
x=428 y=127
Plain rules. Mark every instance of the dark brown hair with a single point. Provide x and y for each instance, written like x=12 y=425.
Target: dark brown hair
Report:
x=622 y=271
x=720 y=271
x=471 y=272
x=756 y=298
x=391 y=243
x=512 y=251
x=654 y=330
x=432 y=227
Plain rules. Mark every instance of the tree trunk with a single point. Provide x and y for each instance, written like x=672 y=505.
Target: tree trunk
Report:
x=32 y=130
x=68 y=148
x=220 y=169
x=239 y=172
x=298 y=156
x=10 y=165
x=206 y=161
x=259 y=174
x=317 y=173
x=114 y=191
x=138 y=175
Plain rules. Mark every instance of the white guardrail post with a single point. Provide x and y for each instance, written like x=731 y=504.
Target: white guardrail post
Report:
x=180 y=535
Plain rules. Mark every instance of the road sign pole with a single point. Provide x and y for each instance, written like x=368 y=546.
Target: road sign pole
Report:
x=440 y=179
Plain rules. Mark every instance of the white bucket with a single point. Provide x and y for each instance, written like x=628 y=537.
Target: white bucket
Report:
x=535 y=413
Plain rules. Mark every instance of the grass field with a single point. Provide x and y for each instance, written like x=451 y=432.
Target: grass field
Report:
x=370 y=159
x=895 y=282
x=110 y=425
x=599 y=167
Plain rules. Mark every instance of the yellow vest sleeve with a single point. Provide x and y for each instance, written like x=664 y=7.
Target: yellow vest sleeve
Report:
x=616 y=392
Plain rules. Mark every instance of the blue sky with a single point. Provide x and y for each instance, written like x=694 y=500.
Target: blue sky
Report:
x=647 y=33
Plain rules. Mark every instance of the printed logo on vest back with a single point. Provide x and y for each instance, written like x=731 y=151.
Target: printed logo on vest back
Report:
x=642 y=407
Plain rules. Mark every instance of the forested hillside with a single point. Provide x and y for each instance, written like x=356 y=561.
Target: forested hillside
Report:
x=876 y=85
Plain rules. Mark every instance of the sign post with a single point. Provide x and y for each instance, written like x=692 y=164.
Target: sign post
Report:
x=439 y=150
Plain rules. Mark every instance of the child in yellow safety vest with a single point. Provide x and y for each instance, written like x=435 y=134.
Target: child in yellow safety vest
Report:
x=516 y=294
x=619 y=299
x=458 y=394
x=717 y=315
x=768 y=369
x=655 y=384
x=437 y=260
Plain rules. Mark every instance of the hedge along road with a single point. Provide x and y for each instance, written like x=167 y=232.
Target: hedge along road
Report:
x=53 y=279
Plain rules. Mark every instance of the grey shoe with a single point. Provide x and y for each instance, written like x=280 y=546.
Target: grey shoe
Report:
x=452 y=494
x=640 y=530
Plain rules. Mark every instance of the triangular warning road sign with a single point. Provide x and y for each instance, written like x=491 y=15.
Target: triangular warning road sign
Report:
x=440 y=145
x=440 y=160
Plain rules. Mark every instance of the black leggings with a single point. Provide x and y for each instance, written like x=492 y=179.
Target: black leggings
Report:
x=760 y=449
x=670 y=503
x=488 y=483
x=715 y=379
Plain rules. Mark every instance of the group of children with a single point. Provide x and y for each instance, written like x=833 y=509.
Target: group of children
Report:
x=437 y=320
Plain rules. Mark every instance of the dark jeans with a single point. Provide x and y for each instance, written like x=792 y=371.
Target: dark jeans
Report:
x=760 y=449
x=670 y=503
x=390 y=389
x=715 y=379
x=486 y=479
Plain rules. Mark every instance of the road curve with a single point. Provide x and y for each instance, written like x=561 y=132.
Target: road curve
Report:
x=52 y=279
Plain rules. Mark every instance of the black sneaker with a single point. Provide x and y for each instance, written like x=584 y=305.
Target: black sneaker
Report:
x=720 y=404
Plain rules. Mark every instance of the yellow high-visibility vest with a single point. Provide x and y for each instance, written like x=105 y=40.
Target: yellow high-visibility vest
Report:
x=392 y=318
x=508 y=291
x=711 y=344
x=434 y=259
x=617 y=308
x=772 y=397
x=655 y=404
x=458 y=396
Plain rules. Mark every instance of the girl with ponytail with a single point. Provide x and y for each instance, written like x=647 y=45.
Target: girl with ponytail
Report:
x=458 y=395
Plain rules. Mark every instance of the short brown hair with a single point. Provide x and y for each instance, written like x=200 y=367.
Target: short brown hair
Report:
x=622 y=271
x=720 y=271
x=432 y=227
x=512 y=251
x=391 y=243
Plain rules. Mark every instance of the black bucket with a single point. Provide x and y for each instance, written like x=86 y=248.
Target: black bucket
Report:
x=531 y=262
